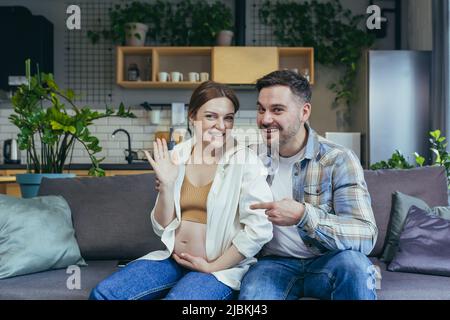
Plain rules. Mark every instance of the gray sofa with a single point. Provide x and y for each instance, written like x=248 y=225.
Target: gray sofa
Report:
x=111 y=221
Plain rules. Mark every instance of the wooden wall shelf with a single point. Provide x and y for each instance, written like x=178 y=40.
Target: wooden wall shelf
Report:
x=230 y=65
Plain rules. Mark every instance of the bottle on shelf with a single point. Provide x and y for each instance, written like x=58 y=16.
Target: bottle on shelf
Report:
x=133 y=72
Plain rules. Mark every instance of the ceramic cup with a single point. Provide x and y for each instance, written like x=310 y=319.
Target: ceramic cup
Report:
x=176 y=76
x=163 y=76
x=194 y=76
x=204 y=76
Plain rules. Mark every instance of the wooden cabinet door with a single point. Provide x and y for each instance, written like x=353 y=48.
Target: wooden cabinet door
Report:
x=243 y=65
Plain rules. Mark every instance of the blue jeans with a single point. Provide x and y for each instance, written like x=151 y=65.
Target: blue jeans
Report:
x=337 y=275
x=147 y=280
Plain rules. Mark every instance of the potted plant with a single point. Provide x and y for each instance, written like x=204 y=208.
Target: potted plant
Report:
x=214 y=21
x=221 y=25
x=334 y=32
x=198 y=23
x=50 y=124
x=130 y=24
x=224 y=37
x=440 y=156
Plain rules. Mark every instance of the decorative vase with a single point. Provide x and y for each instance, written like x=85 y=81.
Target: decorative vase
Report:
x=30 y=182
x=224 y=38
x=131 y=30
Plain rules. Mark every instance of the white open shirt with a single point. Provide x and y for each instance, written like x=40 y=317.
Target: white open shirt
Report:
x=230 y=220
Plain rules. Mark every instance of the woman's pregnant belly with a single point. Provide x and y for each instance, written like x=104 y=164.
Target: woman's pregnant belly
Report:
x=190 y=237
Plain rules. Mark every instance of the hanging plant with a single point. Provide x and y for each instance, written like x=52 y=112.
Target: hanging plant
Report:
x=196 y=23
x=123 y=15
x=333 y=31
x=185 y=23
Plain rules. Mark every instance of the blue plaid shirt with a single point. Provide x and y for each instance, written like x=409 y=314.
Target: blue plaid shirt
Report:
x=329 y=181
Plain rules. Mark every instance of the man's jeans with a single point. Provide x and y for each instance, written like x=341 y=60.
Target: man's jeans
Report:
x=338 y=275
x=145 y=280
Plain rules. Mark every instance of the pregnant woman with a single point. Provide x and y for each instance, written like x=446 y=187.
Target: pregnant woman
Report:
x=202 y=213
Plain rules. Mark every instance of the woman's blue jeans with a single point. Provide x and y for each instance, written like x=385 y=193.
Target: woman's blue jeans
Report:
x=337 y=275
x=165 y=279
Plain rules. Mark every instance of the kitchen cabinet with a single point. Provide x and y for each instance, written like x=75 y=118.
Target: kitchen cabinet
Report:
x=231 y=65
x=13 y=189
x=152 y=60
x=301 y=59
x=243 y=65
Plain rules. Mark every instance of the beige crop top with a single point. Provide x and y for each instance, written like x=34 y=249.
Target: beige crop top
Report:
x=193 y=201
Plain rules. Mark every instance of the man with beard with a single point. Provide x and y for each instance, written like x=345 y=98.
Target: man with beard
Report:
x=323 y=221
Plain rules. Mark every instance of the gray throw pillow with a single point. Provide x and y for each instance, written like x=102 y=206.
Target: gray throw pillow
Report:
x=400 y=207
x=424 y=245
x=36 y=235
x=443 y=212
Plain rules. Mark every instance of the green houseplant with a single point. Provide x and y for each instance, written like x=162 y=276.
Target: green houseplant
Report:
x=190 y=23
x=198 y=23
x=186 y=23
x=440 y=156
x=50 y=124
x=132 y=23
x=209 y=21
x=333 y=31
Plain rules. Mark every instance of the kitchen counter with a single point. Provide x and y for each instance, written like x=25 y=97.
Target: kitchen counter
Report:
x=8 y=173
x=7 y=179
x=138 y=165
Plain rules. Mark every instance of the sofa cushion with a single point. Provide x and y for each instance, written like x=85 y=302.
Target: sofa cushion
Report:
x=426 y=183
x=401 y=203
x=36 y=235
x=411 y=286
x=52 y=285
x=111 y=215
x=424 y=244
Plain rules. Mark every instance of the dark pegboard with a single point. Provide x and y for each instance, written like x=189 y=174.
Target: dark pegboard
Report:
x=89 y=68
x=260 y=34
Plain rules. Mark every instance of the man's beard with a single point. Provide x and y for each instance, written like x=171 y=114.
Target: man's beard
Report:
x=284 y=135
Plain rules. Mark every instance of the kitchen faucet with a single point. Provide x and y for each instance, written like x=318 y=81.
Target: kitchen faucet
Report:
x=130 y=155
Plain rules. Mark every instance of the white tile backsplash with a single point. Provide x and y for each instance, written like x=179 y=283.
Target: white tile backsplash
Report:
x=4 y=113
x=104 y=136
x=149 y=129
x=139 y=136
x=140 y=121
x=111 y=145
x=134 y=129
x=8 y=128
x=78 y=153
x=107 y=129
x=140 y=129
x=119 y=121
x=137 y=145
x=101 y=122
x=116 y=152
